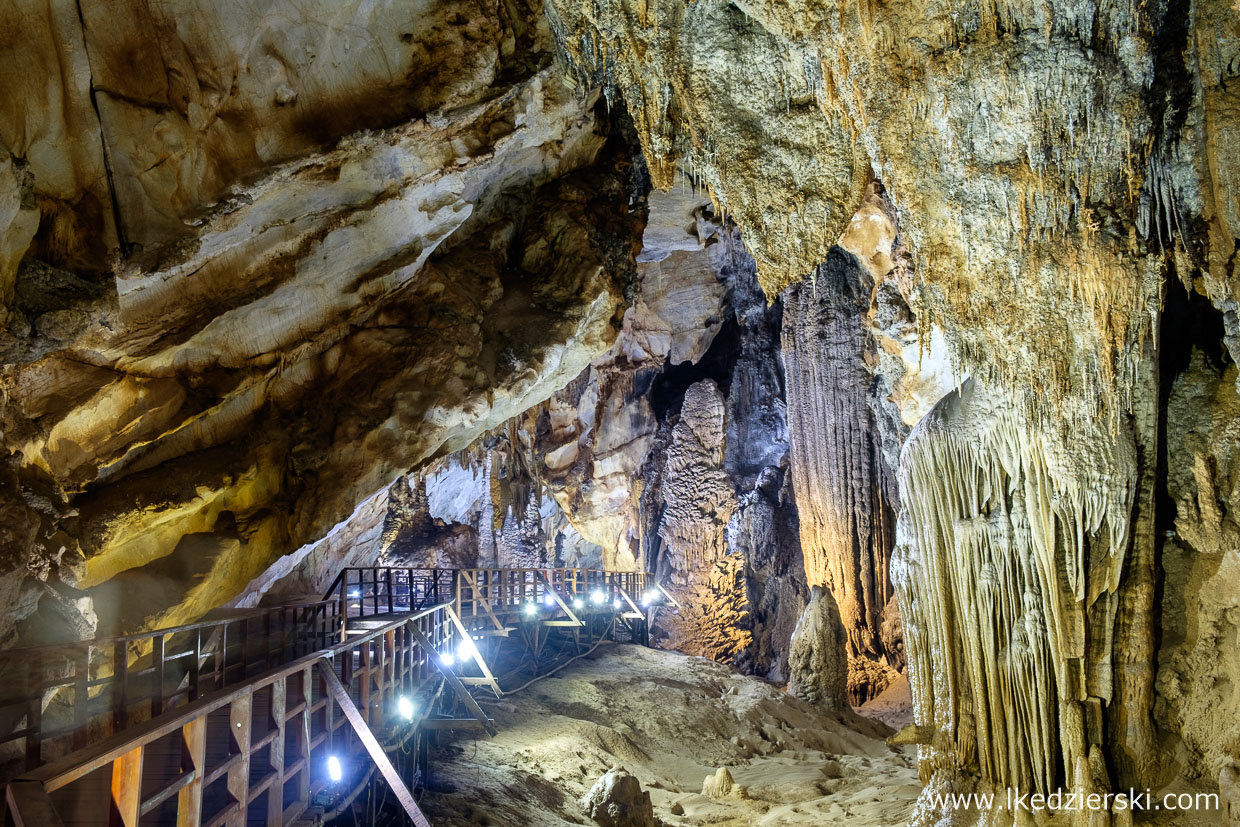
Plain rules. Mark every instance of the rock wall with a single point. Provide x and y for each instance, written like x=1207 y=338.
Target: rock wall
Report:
x=290 y=321
x=1198 y=662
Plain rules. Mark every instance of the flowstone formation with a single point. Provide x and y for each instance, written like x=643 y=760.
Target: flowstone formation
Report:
x=817 y=654
x=1012 y=572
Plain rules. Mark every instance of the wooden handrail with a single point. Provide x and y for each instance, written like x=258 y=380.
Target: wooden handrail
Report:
x=123 y=751
x=108 y=682
x=402 y=652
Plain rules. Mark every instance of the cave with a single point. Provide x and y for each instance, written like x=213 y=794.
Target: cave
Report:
x=629 y=413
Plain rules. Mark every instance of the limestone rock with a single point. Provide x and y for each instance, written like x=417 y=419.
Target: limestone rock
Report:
x=1199 y=666
x=347 y=316
x=617 y=800
x=817 y=655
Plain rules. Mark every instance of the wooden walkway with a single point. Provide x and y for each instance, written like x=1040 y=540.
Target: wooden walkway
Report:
x=282 y=716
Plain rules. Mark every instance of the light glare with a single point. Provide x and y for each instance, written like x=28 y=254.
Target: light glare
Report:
x=447 y=659
x=405 y=707
x=334 y=771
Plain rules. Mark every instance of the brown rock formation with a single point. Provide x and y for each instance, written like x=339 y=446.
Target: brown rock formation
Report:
x=844 y=490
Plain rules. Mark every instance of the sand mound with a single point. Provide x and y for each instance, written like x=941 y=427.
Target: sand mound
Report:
x=671 y=721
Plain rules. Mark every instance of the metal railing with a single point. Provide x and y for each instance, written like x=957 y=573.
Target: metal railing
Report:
x=61 y=697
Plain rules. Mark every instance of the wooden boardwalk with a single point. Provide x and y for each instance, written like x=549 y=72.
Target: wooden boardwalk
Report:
x=283 y=716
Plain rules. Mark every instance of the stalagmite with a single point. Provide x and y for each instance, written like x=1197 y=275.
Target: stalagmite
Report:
x=818 y=654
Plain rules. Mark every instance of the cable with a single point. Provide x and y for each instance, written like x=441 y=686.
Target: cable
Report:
x=602 y=640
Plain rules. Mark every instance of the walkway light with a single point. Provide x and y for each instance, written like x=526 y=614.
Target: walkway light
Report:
x=577 y=604
x=549 y=598
x=447 y=659
x=355 y=592
x=531 y=609
x=616 y=604
x=649 y=597
x=598 y=597
x=466 y=650
x=405 y=707
x=334 y=770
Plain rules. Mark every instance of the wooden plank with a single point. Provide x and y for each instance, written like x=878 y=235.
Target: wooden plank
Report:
x=193 y=760
x=471 y=576
x=127 y=789
x=376 y=752
x=81 y=698
x=667 y=594
x=630 y=601
x=364 y=680
x=302 y=734
x=157 y=676
x=575 y=621
x=477 y=654
x=458 y=688
x=30 y=806
x=275 y=796
x=240 y=719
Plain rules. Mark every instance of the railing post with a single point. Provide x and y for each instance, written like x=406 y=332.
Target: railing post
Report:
x=195 y=666
x=81 y=697
x=193 y=759
x=275 y=793
x=302 y=734
x=120 y=681
x=239 y=725
x=391 y=601
x=344 y=605
x=127 y=788
x=34 y=711
x=157 y=675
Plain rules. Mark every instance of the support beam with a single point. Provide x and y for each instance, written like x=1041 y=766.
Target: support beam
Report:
x=376 y=752
x=126 y=789
x=453 y=681
x=482 y=664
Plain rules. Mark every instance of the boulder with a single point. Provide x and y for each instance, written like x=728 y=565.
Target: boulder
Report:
x=617 y=800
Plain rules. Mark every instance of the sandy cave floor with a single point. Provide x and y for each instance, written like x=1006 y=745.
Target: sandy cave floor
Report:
x=671 y=720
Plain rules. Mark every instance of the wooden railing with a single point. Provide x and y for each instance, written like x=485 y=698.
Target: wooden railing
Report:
x=218 y=722
x=62 y=697
x=255 y=753
x=481 y=592
x=377 y=591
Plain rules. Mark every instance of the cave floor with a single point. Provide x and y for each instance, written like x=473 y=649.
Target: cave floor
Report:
x=671 y=720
